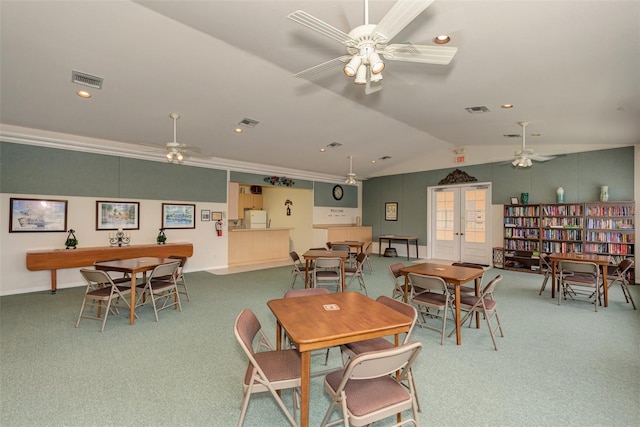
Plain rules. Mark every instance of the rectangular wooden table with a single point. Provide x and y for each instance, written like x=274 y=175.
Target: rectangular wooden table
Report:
x=454 y=275
x=600 y=260
x=132 y=267
x=391 y=237
x=312 y=254
x=328 y=320
x=55 y=259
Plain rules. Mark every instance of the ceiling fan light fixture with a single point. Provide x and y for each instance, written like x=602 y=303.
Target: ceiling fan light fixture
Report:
x=351 y=177
x=352 y=66
x=375 y=78
x=361 y=75
x=376 y=63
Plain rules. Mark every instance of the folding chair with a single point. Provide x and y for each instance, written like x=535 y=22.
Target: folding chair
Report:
x=621 y=277
x=368 y=388
x=271 y=370
x=180 y=280
x=328 y=272
x=100 y=289
x=398 y=285
x=357 y=272
x=465 y=290
x=432 y=298
x=161 y=286
x=484 y=304
x=578 y=278
x=299 y=269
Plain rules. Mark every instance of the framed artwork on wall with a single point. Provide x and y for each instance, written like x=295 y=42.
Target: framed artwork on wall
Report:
x=176 y=215
x=205 y=215
x=216 y=216
x=116 y=215
x=514 y=201
x=29 y=215
x=391 y=211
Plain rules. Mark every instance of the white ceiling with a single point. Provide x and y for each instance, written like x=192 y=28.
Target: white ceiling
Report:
x=571 y=68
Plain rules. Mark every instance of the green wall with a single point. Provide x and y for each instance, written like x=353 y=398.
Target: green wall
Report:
x=28 y=169
x=581 y=176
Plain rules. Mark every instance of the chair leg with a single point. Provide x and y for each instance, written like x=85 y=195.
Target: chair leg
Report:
x=544 y=283
x=627 y=295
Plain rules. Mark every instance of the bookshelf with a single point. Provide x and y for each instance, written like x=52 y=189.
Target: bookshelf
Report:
x=522 y=238
x=562 y=227
x=610 y=228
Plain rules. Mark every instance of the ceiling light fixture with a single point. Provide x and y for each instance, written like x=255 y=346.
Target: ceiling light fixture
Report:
x=361 y=75
x=351 y=177
x=442 y=39
x=352 y=66
x=174 y=152
x=375 y=63
x=506 y=106
x=83 y=94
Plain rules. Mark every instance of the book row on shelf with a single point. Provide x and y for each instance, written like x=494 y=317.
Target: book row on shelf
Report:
x=603 y=228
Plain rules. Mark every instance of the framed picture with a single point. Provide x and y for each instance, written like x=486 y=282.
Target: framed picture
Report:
x=178 y=215
x=216 y=216
x=205 y=215
x=116 y=215
x=391 y=211
x=514 y=201
x=37 y=215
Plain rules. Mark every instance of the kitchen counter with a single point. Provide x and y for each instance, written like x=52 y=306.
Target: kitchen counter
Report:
x=258 y=245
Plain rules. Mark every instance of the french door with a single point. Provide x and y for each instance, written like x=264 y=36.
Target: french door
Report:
x=459 y=223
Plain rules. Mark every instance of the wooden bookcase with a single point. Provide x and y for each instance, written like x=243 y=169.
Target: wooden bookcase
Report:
x=522 y=238
x=610 y=230
x=605 y=228
x=562 y=227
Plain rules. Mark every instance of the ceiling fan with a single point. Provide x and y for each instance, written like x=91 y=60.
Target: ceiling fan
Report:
x=524 y=156
x=175 y=150
x=367 y=43
x=351 y=177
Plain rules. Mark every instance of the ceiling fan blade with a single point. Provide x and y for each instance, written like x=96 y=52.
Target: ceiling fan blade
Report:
x=319 y=26
x=398 y=17
x=441 y=55
x=538 y=158
x=309 y=72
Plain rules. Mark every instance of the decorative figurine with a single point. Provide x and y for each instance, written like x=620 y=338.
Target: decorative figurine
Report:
x=72 y=241
x=162 y=238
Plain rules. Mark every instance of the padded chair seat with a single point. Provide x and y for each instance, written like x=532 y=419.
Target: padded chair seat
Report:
x=366 y=398
x=431 y=298
x=373 y=344
x=470 y=301
x=277 y=365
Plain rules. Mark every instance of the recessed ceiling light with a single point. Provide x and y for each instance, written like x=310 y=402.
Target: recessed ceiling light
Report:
x=373 y=161
x=442 y=39
x=237 y=130
x=322 y=150
x=506 y=106
x=536 y=134
x=83 y=94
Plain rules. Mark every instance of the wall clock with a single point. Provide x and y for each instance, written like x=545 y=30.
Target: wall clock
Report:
x=338 y=192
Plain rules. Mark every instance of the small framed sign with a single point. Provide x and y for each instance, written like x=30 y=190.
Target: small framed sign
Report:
x=391 y=211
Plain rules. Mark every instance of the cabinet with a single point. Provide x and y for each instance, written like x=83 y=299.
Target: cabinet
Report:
x=522 y=237
x=610 y=230
x=248 y=201
x=562 y=227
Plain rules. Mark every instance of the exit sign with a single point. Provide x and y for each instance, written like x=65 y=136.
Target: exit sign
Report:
x=460 y=159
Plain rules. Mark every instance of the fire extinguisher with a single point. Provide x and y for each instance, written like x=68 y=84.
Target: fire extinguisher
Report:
x=219 y=227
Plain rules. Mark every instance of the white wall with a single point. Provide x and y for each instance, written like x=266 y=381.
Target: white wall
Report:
x=209 y=251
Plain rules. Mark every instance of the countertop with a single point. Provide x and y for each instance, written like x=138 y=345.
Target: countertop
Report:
x=259 y=229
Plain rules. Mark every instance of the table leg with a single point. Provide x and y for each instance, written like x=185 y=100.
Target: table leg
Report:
x=407 y=249
x=478 y=294
x=54 y=281
x=554 y=267
x=406 y=289
x=343 y=275
x=605 y=286
x=379 y=247
x=304 y=388
x=306 y=273
x=417 y=256
x=132 y=309
x=457 y=301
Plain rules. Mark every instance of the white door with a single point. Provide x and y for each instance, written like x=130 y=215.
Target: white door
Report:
x=459 y=223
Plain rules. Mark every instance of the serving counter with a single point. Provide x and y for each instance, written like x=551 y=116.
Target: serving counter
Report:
x=323 y=233
x=257 y=245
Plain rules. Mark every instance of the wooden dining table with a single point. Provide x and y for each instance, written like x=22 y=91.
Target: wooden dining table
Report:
x=133 y=266
x=327 y=320
x=600 y=260
x=313 y=254
x=451 y=274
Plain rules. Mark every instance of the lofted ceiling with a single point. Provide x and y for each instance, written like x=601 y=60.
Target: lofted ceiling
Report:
x=570 y=68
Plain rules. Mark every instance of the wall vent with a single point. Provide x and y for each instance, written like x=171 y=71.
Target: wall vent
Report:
x=85 y=79
x=250 y=123
x=477 y=110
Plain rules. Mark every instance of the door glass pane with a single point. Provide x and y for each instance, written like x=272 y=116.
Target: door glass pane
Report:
x=475 y=215
x=444 y=215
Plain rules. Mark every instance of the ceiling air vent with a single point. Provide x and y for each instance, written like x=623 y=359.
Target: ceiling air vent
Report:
x=86 y=79
x=477 y=110
x=512 y=135
x=334 y=145
x=250 y=123
x=384 y=158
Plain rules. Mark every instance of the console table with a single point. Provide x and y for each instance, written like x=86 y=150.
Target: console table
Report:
x=390 y=238
x=55 y=259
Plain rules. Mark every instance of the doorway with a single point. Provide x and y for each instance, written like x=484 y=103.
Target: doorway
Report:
x=459 y=223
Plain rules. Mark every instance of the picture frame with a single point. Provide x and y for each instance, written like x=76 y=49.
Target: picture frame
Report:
x=178 y=215
x=216 y=216
x=205 y=215
x=112 y=215
x=515 y=201
x=391 y=211
x=37 y=215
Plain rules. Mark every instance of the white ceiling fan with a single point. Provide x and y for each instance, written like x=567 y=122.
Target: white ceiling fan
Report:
x=175 y=150
x=366 y=43
x=524 y=156
x=351 y=177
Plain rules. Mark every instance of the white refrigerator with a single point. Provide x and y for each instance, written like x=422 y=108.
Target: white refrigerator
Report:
x=255 y=219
